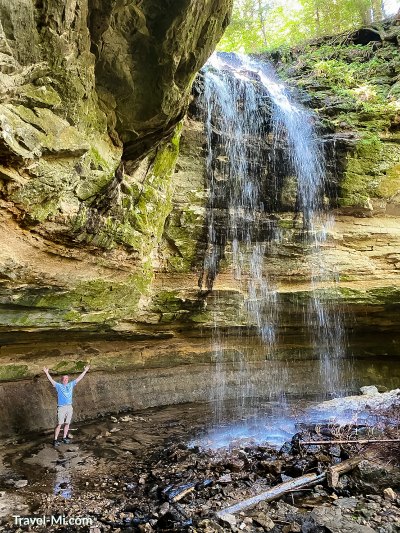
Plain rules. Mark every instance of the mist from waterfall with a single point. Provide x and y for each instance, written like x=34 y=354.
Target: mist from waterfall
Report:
x=236 y=89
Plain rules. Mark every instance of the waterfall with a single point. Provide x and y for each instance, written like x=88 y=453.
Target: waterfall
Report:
x=244 y=104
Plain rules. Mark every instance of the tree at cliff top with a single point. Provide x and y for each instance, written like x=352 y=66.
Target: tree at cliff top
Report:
x=263 y=24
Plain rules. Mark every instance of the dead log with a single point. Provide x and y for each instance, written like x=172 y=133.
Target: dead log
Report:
x=333 y=472
x=274 y=493
x=298 y=483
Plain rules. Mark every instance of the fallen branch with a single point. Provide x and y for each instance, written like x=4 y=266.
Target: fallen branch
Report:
x=333 y=472
x=273 y=493
x=354 y=441
x=303 y=481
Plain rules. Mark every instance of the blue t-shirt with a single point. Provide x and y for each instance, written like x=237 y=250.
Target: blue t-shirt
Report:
x=64 y=393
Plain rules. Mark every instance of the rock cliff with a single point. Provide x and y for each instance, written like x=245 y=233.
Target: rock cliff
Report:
x=92 y=94
x=103 y=197
x=351 y=81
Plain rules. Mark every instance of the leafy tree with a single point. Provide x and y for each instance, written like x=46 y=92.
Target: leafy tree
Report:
x=261 y=24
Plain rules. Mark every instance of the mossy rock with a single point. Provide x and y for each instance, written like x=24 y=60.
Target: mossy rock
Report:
x=69 y=367
x=9 y=372
x=371 y=172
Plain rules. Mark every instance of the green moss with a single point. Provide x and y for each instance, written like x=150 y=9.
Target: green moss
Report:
x=346 y=295
x=139 y=218
x=167 y=301
x=43 y=95
x=172 y=306
x=69 y=367
x=182 y=232
x=8 y=372
x=372 y=171
x=201 y=318
x=359 y=182
x=390 y=183
x=91 y=302
x=355 y=79
x=354 y=89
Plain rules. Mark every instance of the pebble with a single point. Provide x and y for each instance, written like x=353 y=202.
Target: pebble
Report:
x=227 y=478
x=229 y=519
x=389 y=494
x=20 y=483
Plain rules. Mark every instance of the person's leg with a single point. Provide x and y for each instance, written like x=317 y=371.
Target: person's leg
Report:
x=57 y=431
x=66 y=428
x=68 y=417
x=60 y=421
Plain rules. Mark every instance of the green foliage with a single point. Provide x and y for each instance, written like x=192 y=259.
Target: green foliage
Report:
x=259 y=25
x=355 y=81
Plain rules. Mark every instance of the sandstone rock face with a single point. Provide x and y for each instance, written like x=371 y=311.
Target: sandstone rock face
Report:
x=100 y=261
x=151 y=52
x=91 y=95
x=353 y=90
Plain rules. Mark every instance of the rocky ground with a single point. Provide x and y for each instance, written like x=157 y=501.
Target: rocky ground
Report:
x=143 y=472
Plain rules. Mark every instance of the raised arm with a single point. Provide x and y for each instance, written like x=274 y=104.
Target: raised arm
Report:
x=82 y=375
x=46 y=371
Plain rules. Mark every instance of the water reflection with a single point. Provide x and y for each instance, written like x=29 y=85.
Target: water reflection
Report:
x=62 y=483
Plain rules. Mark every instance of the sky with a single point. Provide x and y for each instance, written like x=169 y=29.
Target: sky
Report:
x=391 y=6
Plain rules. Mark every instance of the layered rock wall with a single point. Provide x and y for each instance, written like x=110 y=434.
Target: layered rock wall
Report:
x=102 y=241
x=91 y=98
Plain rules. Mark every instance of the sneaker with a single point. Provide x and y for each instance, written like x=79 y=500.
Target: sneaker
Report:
x=56 y=443
x=66 y=441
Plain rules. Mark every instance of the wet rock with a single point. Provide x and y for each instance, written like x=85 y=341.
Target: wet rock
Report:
x=373 y=477
x=164 y=509
x=332 y=519
x=346 y=405
x=176 y=493
x=20 y=483
x=286 y=448
x=228 y=520
x=226 y=478
x=264 y=521
x=272 y=467
x=346 y=503
x=235 y=465
x=286 y=511
x=335 y=450
x=389 y=494
x=209 y=526
x=126 y=418
x=145 y=528
x=369 y=389
x=310 y=526
x=204 y=484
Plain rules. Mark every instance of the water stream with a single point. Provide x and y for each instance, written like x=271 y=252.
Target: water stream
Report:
x=245 y=105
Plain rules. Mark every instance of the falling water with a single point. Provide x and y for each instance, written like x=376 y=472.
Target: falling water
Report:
x=307 y=159
x=232 y=118
x=235 y=93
